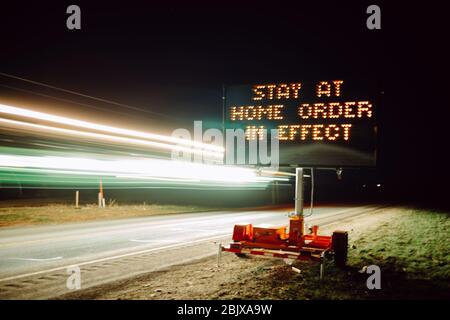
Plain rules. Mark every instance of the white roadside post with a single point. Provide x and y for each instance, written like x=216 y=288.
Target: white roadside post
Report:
x=100 y=197
x=219 y=253
x=77 y=198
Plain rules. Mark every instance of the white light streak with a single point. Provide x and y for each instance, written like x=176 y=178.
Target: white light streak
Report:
x=99 y=127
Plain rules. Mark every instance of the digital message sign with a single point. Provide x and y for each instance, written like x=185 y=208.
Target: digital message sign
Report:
x=320 y=123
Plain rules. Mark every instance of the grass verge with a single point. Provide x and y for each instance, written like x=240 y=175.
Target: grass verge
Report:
x=59 y=213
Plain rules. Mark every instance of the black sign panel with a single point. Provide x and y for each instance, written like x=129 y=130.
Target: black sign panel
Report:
x=320 y=123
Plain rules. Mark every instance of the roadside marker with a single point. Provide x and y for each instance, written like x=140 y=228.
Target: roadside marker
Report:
x=219 y=253
x=77 y=199
x=101 y=199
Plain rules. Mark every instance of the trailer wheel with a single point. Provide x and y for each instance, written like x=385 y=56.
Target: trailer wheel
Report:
x=241 y=255
x=340 y=248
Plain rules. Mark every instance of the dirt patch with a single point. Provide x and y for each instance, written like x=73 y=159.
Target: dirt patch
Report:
x=410 y=246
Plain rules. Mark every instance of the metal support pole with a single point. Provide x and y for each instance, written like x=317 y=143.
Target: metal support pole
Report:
x=275 y=197
x=223 y=109
x=277 y=192
x=299 y=191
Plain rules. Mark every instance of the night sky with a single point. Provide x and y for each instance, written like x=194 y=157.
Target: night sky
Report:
x=172 y=59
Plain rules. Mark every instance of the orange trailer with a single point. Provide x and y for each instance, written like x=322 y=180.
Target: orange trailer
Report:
x=292 y=243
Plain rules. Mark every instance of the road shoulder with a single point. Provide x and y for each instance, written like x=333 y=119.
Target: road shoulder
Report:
x=420 y=270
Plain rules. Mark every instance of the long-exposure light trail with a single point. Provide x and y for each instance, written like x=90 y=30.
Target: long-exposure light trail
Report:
x=57 y=163
x=143 y=168
x=110 y=138
x=6 y=109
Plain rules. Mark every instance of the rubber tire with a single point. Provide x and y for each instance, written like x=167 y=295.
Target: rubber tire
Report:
x=241 y=255
x=340 y=248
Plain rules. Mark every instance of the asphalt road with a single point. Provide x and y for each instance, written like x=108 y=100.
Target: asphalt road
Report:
x=34 y=261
